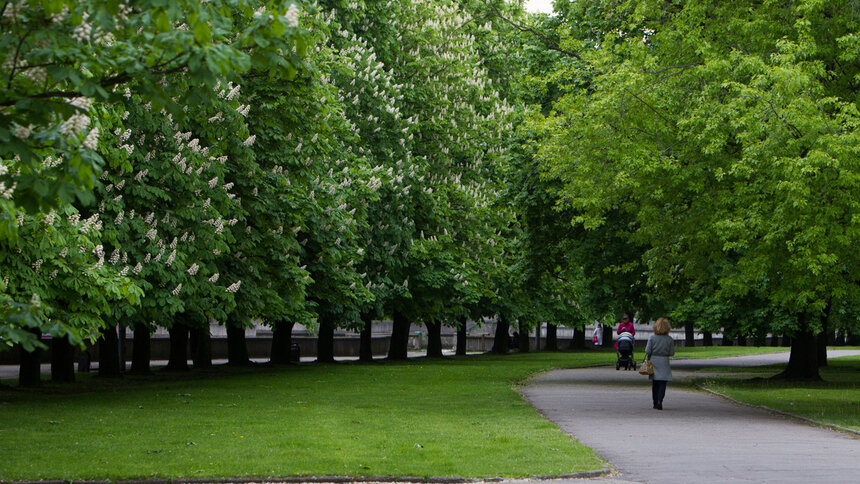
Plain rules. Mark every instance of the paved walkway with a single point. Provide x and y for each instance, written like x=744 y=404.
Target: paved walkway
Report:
x=697 y=437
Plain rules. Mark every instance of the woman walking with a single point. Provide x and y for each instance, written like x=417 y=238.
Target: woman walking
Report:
x=658 y=350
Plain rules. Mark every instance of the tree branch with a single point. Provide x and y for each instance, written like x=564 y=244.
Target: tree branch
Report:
x=547 y=41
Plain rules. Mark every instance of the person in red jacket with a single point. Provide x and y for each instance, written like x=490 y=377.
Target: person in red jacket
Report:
x=626 y=325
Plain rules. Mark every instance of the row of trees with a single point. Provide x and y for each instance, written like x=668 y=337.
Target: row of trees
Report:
x=325 y=164
x=706 y=155
x=175 y=164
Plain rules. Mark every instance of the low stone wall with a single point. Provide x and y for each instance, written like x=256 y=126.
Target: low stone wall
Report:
x=259 y=347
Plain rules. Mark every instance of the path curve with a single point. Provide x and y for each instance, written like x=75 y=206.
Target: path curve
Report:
x=697 y=437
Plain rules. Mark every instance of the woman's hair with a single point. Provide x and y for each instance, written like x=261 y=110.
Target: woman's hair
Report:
x=662 y=326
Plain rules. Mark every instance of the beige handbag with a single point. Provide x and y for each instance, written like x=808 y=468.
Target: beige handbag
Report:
x=645 y=368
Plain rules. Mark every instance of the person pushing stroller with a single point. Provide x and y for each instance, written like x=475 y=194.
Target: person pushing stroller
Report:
x=624 y=351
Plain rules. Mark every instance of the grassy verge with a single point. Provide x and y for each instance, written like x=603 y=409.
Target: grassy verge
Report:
x=457 y=417
x=835 y=401
x=723 y=351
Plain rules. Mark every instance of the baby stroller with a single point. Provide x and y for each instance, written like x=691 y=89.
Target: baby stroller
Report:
x=624 y=350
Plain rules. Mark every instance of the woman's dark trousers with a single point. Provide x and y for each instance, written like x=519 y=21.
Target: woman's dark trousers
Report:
x=658 y=391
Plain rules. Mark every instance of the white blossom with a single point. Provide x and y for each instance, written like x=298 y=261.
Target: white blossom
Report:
x=292 y=16
x=23 y=132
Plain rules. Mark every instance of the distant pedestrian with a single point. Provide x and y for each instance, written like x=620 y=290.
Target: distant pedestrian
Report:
x=658 y=350
x=626 y=325
x=597 y=334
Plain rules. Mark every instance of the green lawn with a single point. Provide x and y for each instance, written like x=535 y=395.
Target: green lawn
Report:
x=835 y=401
x=457 y=417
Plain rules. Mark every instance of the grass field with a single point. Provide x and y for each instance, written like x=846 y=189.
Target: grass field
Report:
x=455 y=417
x=835 y=401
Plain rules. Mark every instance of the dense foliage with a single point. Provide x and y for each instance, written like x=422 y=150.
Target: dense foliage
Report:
x=179 y=164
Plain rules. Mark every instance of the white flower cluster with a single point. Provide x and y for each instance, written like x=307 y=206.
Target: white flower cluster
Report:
x=23 y=132
x=83 y=31
x=92 y=140
x=232 y=288
x=646 y=34
x=292 y=16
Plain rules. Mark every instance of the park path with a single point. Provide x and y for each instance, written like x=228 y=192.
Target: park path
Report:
x=697 y=437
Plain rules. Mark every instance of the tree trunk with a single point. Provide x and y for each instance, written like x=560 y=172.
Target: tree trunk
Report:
x=577 y=342
x=62 y=360
x=728 y=339
x=201 y=347
x=551 y=337
x=178 y=360
x=689 y=334
x=742 y=340
x=399 y=347
x=524 y=345
x=123 y=355
x=30 y=371
x=325 y=340
x=607 y=335
x=707 y=338
x=760 y=338
x=500 y=342
x=140 y=350
x=282 y=342
x=786 y=340
x=462 y=337
x=803 y=360
x=537 y=336
x=365 y=339
x=237 y=347
x=109 y=353
x=434 y=339
x=822 y=337
x=821 y=349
